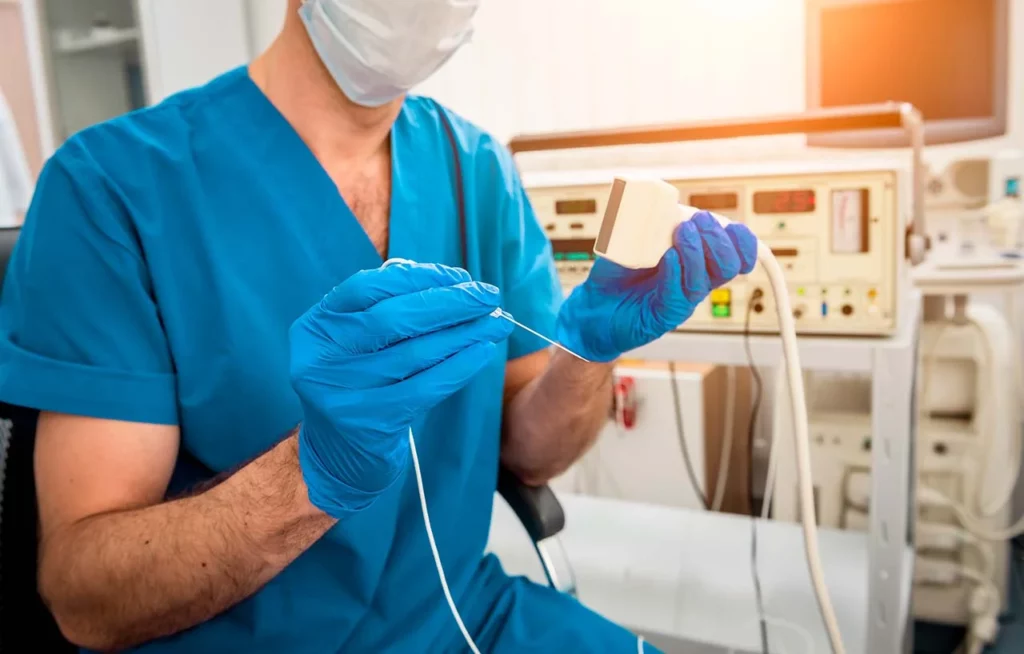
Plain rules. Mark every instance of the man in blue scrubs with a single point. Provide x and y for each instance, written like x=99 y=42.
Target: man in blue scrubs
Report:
x=227 y=374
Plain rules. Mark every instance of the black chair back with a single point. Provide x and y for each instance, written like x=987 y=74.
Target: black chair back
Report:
x=23 y=616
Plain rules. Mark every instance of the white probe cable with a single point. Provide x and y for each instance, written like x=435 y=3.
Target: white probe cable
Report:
x=787 y=329
x=798 y=403
x=990 y=507
x=969 y=521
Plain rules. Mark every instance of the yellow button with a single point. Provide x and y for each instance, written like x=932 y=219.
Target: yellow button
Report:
x=872 y=294
x=721 y=296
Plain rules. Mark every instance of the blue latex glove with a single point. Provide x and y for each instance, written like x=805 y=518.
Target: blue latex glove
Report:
x=376 y=353
x=617 y=309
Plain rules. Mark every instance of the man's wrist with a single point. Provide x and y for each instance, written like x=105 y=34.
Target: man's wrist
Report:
x=270 y=506
x=588 y=372
x=289 y=487
x=290 y=459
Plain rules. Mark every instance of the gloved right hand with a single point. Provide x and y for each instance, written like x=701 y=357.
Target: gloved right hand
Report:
x=618 y=309
x=380 y=350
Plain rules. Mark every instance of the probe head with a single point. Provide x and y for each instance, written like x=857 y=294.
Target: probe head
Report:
x=639 y=219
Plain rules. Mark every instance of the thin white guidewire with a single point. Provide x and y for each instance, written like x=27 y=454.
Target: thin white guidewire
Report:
x=437 y=555
x=433 y=547
x=501 y=313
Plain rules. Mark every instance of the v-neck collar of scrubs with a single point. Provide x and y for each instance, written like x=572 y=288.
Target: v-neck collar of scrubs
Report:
x=400 y=245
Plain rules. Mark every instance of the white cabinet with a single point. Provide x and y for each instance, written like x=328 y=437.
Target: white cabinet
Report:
x=102 y=58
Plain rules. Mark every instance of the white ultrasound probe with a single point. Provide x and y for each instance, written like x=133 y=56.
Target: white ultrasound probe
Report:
x=638 y=227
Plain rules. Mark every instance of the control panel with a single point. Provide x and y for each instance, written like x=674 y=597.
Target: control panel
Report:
x=837 y=231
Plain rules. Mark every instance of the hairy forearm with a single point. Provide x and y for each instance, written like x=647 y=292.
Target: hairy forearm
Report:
x=556 y=418
x=119 y=579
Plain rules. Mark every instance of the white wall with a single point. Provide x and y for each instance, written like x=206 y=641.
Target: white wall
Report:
x=578 y=64
x=189 y=42
x=265 y=20
x=537 y=65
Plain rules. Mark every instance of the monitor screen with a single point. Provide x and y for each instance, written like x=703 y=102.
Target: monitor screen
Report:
x=946 y=57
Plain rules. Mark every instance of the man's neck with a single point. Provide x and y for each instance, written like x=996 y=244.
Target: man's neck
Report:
x=296 y=82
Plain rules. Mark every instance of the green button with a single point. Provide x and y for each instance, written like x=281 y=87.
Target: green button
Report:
x=721 y=310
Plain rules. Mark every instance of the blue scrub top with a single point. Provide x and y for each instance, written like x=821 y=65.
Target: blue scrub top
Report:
x=163 y=259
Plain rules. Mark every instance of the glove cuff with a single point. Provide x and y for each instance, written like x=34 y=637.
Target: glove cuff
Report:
x=326 y=492
x=580 y=329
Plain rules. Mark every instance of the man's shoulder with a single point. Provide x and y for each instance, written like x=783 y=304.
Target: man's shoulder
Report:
x=165 y=130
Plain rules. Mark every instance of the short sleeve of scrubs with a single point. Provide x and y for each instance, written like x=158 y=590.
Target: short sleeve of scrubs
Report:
x=81 y=333
x=531 y=290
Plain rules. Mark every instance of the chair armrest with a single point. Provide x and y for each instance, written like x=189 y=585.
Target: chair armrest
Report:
x=536 y=507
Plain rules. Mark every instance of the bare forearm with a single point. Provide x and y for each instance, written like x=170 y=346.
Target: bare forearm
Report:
x=556 y=418
x=120 y=579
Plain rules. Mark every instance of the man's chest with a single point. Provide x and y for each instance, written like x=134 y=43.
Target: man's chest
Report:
x=368 y=196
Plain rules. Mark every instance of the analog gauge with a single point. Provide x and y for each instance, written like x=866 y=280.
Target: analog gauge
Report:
x=850 y=221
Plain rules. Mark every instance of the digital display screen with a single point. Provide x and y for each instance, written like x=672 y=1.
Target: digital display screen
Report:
x=715 y=201
x=573 y=249
x=575 y=207
x=797 y=201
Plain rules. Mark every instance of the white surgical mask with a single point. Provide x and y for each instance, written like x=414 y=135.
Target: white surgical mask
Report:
x=377 y=50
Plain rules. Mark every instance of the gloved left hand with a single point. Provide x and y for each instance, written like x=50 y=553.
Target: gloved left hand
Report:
x=618 y=309
x=378 y=352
